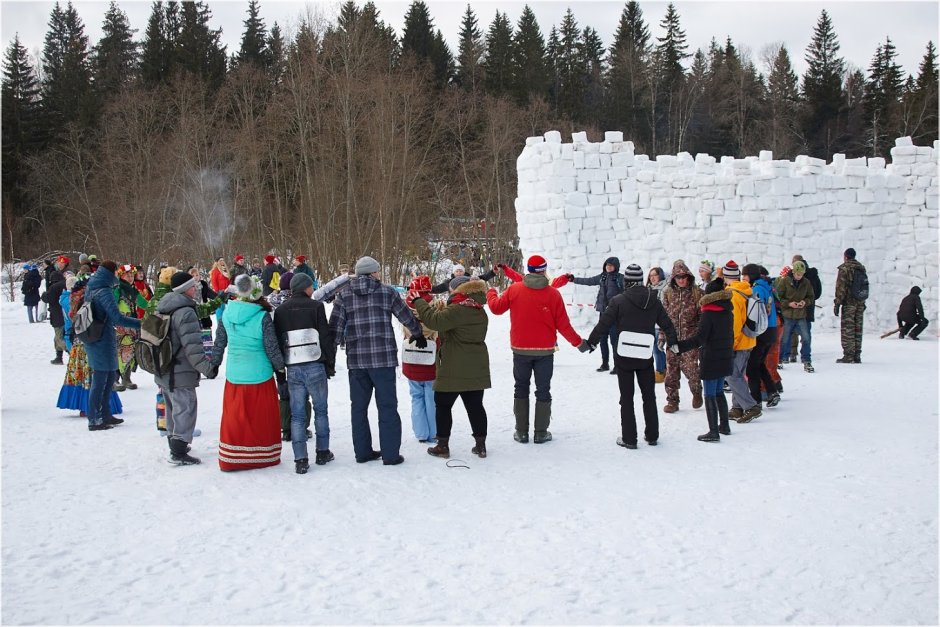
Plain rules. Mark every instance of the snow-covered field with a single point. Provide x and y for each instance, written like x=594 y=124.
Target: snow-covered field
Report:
x=822 y=511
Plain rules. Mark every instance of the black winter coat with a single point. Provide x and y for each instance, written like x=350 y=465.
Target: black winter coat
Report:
x=609 y=284
x=56 y=284
x=715 y=336
x=302 y=312
x=267 y=274
x=31 y=284
x=911 y=309
x=637 y=309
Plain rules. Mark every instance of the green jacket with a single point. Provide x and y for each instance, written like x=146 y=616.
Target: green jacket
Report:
x=463 y=363
x=788 y=292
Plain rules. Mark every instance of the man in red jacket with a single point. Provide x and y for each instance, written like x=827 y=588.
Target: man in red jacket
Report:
x=537 y=314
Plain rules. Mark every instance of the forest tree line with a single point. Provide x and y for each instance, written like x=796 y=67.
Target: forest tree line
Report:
x=342 y=138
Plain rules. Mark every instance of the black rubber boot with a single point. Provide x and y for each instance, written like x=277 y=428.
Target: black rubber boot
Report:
x=711 y=413
x=543 y=418
x=480 y=449
x=722 y=404
x=520 y=408
x=178 y=454
x=58 y=359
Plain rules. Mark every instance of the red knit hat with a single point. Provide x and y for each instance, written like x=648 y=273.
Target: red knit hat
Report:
x=731 y=271
x=269 y=258
x=537 y=263
x=420 y=284
x=239 y=258
x=63 y=259
x=300 y=259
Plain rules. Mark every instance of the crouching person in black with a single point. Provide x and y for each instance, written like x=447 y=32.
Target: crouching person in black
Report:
x=911 y=318
x=716 y=357
x=635 y=313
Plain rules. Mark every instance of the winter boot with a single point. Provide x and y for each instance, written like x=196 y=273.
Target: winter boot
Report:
x=808 y=366
x=543 y=417
x=671 y=407
x=442 y=449
x=722 y=405
x=754 y=412
x=780 y=386
x=620 y=442
x=604 y=367
x=102 y=427
x=846 y=359
x=696 y=400
x=301 y=466
x=178 y=454
x=659 y=377
x=126 y=380
x=58 y=359
x=480 y=449
x=520 y=407
x=118 y=386
x=711 y=412
x=773 y=400
x=735 y=413
x=324 y=456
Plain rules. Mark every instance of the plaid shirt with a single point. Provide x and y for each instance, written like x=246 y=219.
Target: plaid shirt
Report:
x=362 y=318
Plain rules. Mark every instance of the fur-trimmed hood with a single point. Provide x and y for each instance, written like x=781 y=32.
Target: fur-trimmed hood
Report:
x=714 y=297
x=475 y=289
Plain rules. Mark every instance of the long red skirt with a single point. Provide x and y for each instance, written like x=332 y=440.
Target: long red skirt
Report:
x=250 y=435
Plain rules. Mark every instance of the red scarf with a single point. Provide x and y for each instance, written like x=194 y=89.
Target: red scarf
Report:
x=466 y=301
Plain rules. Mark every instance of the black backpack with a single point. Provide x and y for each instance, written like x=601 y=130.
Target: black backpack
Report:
x=859 y=287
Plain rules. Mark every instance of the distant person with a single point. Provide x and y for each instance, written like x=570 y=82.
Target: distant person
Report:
x=55 y=283
x=851 y=294
x=744 y=408
x=238 y=267
x=32 y=282
x=609 y=284
x=656 y=280
x=421 y=376
x=911 y=318
x=706 y=272
x=680 y=300
x=300 y=266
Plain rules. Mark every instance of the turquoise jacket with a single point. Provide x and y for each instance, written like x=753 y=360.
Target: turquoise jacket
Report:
x=247 y=360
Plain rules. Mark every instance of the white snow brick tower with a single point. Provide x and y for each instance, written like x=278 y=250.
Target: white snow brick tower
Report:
x=581 y=202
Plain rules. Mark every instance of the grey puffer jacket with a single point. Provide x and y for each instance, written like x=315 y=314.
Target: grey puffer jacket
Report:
x=186 y=334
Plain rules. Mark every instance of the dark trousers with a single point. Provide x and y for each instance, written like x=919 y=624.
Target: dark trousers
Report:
x=361 y=383
x=757 y=371
x=647 y=382
x=99 y=396
x=612 y=338
x=522 y=368
x=472 y=402
x=913 y=327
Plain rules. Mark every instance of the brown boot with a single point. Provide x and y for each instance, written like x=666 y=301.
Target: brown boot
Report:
x=442 y=449
x=671 y=407
x=480 y=449
x=696 y=400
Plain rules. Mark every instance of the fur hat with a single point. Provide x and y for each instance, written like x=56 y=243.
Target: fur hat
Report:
x=249 y=287
x=166 y=275
x=731 y=271
x=536 y=263
x=457 y=281
x=367 y=265
x=633 y=274
x=420 y=284
x=284 y=283
x=299 y=282
x=269 y=258
x=182 y=281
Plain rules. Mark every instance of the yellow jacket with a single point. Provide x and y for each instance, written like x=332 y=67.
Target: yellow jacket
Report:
x=739 y=308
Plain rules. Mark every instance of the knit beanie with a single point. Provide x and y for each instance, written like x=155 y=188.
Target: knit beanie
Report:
x=457 y=281
x=367 y=265
x=182 y=281
x=731 y=271
x=249 y=287
x=536 y=263
x=714 y=286
x=459 y=266
x=300 y=259
x=633 y=274
x=284 y=283
x=708 y=266
x=300 y=282
x=269 y=258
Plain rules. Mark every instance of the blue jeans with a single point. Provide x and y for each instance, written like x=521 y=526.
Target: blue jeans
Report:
x=32 y=312
x=305 y=380
x=659 y=357
x=423 y=410
x=713 y=387
x=523 y=367
x=612 y=338
x=99 y=396
x=361 y=383
x=801 y=327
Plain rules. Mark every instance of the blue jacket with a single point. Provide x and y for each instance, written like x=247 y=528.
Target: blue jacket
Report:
x=102 y=355
x=610 y=284
x=243 y=326
x=65 y=303
x=764 y=291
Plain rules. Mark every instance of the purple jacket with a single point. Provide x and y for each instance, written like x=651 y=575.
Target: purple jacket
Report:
x=362 y=318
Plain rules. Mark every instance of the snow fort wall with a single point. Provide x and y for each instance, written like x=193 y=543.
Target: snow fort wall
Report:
x=582 y=202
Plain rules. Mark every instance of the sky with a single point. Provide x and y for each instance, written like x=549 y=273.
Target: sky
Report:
x=752 y=25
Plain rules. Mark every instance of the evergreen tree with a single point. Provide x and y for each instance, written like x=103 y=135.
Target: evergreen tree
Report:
x=592 y=59
x=571 y=69
x=849 y=130
x=418 y=35
x=153 y=61
x=66 y=80
x=199 y=48
x=253 y=48
x=671 y=49
x=276 y=55
x=920 y=102
x=470 y=52
x=553 y=62
x=822 y=88
x=19 y=105
x=882 y=99
x=115 y=56
x=529 y=66
x=627 y=94
x=667 y=84
x=442 y=60
x=497 y=64
x=783 y=102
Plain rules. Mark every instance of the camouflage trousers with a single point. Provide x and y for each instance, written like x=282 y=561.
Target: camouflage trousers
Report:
x=676 y=365
x=853 y=316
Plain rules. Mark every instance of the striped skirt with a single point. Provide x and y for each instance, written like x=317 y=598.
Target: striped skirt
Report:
x=250 y=434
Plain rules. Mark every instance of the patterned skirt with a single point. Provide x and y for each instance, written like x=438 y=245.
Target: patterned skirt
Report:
x=125 y=348
x=74 y=391
x=250 y=434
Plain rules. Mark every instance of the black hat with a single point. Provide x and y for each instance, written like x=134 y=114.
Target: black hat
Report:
x=181 y=281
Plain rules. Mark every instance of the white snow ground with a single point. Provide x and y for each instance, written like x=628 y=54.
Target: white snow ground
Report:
x=822 y=511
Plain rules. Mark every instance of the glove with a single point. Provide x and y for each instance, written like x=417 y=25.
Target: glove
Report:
x=835 y=310
x=674 y=348
x=420 y=341
x=586 y=347
x=570 y=276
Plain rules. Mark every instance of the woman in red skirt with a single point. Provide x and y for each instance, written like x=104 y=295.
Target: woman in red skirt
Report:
x=250 y=435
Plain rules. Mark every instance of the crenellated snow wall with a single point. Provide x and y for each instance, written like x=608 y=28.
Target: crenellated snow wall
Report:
x=581 y=202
